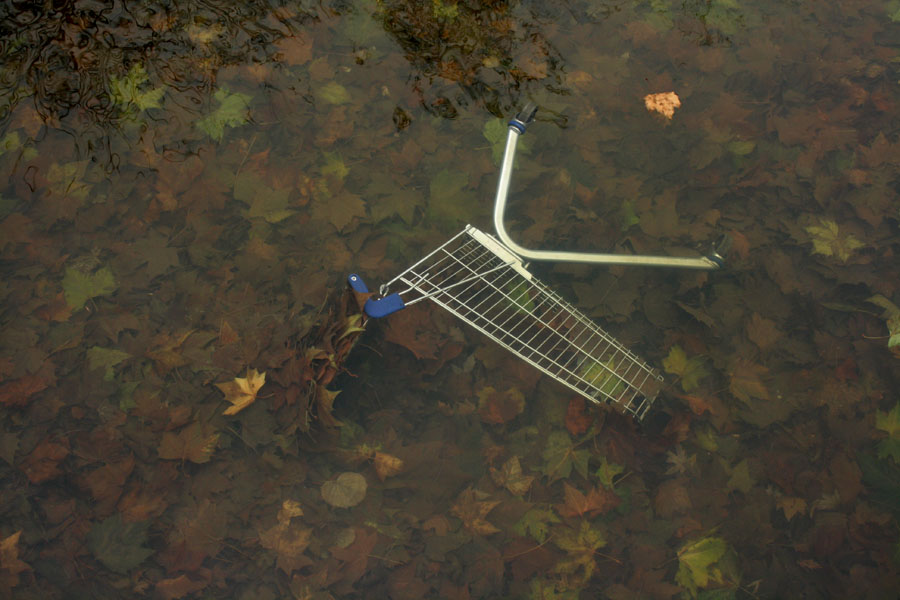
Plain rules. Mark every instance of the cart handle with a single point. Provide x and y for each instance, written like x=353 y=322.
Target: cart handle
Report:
x=517 y=127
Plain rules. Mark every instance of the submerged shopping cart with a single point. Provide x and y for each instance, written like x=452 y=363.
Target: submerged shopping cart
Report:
x=484 y=281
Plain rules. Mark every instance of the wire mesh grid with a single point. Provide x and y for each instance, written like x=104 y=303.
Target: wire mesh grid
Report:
x=480 y=281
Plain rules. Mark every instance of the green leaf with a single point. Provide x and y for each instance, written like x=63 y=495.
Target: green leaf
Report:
x=334 y=165
x=691 y=371
x=119 y=546
x=696 y=563
x=105 y=358
x=740 y=478
x=79 y=286
x=827 y=240
x=893 y=10
x=889 y=422
x=628 y=216
x=232 y=112
x=536 y=523
x=607 y=472
x=270 y=204
x=741 y=148
x=495 y=132
x=126 y=91
x=560 y=456
x=333 y=93
x=603 y=376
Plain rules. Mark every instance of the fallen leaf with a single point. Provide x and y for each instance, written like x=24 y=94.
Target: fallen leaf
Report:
x=499 y=407
x=347 y=490
x=242 y=391
x=43 y=462
x=696 y=563
x=472 y=508
x=578 y=504
x=691 y=371
x=578 y=420
x=791 y=506
x=664 y=103
x=511 y=477
x=179 y=587
x=762 y=331
x=9 y=558
x=296 y=49
x=828 y=241
x=232 y=112
x=387 y=465
x=195 y=443
x=746 y=381
x=119 y=546
x=80 y=286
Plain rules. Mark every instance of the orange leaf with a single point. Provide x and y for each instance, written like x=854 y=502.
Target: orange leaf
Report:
x=242 y=391
x=664 y=103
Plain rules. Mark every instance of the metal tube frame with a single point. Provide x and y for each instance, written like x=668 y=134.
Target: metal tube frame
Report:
x=517 y=127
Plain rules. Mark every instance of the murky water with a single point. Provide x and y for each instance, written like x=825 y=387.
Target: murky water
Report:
x=186 y=186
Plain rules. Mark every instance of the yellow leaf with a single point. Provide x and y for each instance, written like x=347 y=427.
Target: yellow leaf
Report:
x=828 y=240
x=242 y=391
x=664 y=103
x=387 y=465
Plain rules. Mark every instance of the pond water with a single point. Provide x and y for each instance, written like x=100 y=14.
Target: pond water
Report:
x=193 y=407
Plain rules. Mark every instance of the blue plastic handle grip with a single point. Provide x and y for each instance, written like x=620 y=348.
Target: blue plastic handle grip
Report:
x=376 y=308
x=357 y=284
x=384 y=306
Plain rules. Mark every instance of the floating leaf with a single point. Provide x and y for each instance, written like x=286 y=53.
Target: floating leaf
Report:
x=232 y=112
x=827 y=240
x=242 y=391
x=347 y=490
x=80 y=286
x=664 y=103
x=119 y=546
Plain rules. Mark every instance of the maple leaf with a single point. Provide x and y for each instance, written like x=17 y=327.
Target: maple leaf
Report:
x=578 y=420
x=560 y=456
x=577 y=504
x=681 y=463
x=511 y=477
x=80 y=286
x=119 y=546
x=690 y=370
x=891 y=316
x=536 y=523
x=295 y=49
x=472 y=508
x=232 y=112
x=126 y=91
x=43 y=462
x=703 y=562
x=889 y=422
x=828 y=241
x=791 y=506
x=746 y=382
x=607 y=472
x=242 y=391
x=580 y=546
x=195 y=443
x=288 y=540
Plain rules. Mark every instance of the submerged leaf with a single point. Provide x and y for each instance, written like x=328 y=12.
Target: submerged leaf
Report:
x=696 y=563
x=79 y=286
x=346 y=491
x=242 y=391
x=827 y=240
x=232 y=112
x=690 y=370
x=195 y=443
x=126 y=90
x=119 y=546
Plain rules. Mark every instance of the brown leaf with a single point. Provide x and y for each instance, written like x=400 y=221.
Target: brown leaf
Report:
x=43 y=462
x=577 y=504
x=181 y=586
x=288 y=541
x=242 y=391
x=9 y=558
x=106 y=482
x=762 y=331
x=746 y=381
x=19 y=391
x=511 y=477
x=296 y=49
x=195 y=443
x=671 y=498
x=499 y=407
x=791 y=506
x=387 y=465
x=578 y=420
x=472 y=508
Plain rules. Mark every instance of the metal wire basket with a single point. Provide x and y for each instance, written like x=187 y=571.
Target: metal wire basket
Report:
x=484 y=282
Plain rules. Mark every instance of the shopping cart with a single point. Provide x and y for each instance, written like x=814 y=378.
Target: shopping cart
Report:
x=484 y=281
